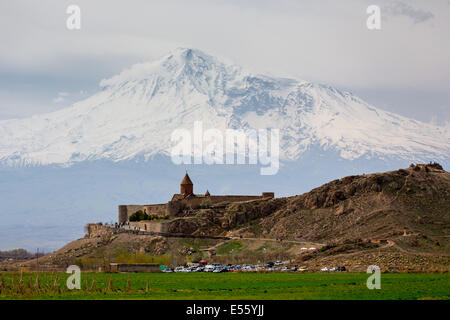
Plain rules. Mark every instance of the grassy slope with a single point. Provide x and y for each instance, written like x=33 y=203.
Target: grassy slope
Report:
x=247 y=286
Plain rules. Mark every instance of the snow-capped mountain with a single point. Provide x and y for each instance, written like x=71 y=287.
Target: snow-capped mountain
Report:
x=61 y=170
x=136 y=111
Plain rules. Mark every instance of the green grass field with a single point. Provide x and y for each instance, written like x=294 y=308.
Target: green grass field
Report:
x=226 y=286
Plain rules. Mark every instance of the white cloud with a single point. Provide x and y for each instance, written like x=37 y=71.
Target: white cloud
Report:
x=61 y=97
x=58 y=99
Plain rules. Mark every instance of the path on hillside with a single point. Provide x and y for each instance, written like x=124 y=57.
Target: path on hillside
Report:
x=215 y=246
x=278 y=240
x=418 y=252
x=389 y=243
x=316 y=245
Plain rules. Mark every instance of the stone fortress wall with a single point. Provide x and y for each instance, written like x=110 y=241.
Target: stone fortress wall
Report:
x=125 y=211
x=152 y=226
x=186 y=199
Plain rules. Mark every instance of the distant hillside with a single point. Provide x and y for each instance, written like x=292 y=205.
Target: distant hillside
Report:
x=397 y=219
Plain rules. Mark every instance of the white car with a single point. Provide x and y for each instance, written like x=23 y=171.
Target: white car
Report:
x=198 y=269
x=209 y=268
x=324 y=269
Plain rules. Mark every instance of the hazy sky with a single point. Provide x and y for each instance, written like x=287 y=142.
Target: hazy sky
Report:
x=404 y=67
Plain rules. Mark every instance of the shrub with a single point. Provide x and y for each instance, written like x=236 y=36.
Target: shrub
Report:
x=138 y=216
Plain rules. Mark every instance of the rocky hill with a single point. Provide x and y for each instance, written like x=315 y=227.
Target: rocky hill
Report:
x=398 y=219
x=413 y=201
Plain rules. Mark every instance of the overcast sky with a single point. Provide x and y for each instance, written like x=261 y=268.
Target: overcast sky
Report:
x=404 y=67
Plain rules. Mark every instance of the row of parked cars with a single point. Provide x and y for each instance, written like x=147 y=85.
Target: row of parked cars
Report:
x=219 y=268
x=333 y=269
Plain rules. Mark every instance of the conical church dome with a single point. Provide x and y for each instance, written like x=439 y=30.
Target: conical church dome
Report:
x=186 y=180
x=186 y=185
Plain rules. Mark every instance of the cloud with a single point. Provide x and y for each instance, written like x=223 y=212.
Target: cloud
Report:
x=61 y=97
x=398 y=8
x=58 y=99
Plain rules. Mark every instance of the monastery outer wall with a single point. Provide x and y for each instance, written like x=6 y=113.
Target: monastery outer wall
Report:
x=199 y=200
x=150 y=226
x=173 y=208
x=232 y=198
x=125 y=211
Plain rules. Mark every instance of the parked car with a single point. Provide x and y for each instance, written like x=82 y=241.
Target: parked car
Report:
x=209 y=268
x=168 y=270
x=236 y=268
x=341 y=269
x=199 y=269
x=249 y=268
x=324 y=269
x=179 y=269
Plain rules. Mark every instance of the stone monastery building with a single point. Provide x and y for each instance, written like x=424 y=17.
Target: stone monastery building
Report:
x=186 y=199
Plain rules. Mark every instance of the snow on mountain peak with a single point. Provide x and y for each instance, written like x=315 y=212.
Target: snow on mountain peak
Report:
x=136 y=111
x=182 y=62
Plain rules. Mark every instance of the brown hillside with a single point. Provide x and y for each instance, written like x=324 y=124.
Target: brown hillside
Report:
x=415 y=202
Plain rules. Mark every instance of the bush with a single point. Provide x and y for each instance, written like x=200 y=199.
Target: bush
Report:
x=138 y=216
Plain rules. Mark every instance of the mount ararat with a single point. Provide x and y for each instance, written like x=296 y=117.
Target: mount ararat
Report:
x=63 y=169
